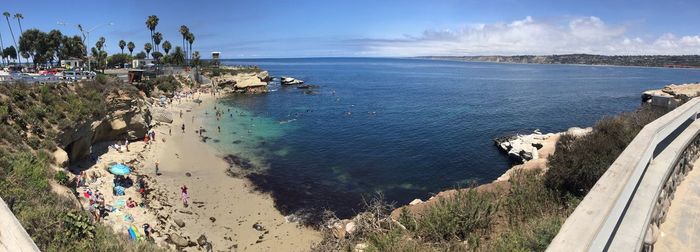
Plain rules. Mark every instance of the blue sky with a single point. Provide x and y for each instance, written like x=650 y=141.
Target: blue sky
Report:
x=319 y=28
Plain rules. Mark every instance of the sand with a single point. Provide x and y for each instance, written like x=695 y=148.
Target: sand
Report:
x=222 y=208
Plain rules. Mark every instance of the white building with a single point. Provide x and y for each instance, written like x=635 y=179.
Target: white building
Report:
x=72 y=63
x=141 y=63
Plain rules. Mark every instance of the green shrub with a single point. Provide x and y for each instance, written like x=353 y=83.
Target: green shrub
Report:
x=579 y=161
x=101 y=78
x=529 y=197
x=62 y=178
x=531 y=236
x=34 y=142
x=48 y=145
x=407 y=219
x=455 y=218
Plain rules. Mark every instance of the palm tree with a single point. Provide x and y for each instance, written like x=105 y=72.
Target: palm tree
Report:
x=122 y=44
x=167 y=46
x=1 y=45
x=100 y=43
x=157 y=38
x=148 y=48
x=131 y=47
x=184 y=31
x=190 y=40
x=19 y=18
x=7 y=17
x=151 y=23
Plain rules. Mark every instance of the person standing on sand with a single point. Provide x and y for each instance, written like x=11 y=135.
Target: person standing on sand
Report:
x=126 y=144
x=184 y=195
x=157 y=168
x=183 y=128
x=219 y=128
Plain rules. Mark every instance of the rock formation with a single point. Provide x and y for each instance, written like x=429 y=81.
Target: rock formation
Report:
x=243 y=82
x=290 y=81
x=522 y=148
x=128 y=117
x=671 y=96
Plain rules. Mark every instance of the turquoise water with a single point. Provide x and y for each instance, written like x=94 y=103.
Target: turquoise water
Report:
x=409 y=128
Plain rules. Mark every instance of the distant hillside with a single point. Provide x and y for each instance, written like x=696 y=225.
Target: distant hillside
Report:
x=679 y=61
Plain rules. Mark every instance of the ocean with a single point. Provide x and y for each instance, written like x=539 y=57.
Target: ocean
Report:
x=408 y=128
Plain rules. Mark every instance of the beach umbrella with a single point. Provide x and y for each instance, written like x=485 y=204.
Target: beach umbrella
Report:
x=119 y=169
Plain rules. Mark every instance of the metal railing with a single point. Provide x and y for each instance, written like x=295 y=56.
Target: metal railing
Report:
x=617 y=212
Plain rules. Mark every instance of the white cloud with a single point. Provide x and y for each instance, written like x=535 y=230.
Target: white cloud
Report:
x=530 y=36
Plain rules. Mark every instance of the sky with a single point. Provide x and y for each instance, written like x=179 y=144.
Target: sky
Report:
x=379 y=28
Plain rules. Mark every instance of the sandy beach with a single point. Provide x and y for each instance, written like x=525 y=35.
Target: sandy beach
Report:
x=222 y=208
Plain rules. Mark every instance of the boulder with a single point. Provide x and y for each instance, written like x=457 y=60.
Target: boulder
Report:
x=179 y=240
x=179 y=222
x=162 y=116
x=522 y=148
x=202 y=240
x=350 y=227
x=118 y=124
x=415 y=202
x=338 y=230
x=60 y=157
x=263 y=76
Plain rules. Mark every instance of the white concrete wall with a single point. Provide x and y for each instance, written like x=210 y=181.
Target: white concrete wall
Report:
x=13 y=237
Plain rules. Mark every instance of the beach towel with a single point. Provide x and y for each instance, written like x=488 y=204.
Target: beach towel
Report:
x=120 y=203
x=136 y=233
x=132 y=235
x=119 y=190
x=129 y=218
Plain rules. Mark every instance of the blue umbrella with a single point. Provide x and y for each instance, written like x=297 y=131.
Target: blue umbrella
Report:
x=119 y=169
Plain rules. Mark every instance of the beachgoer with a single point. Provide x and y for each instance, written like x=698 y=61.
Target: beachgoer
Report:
x=184 y=195
x=170 y=131
x=219 y=128
x=145 y=138
x=126 y=144
x=183 y=128
x=79 y=179
x=147 y=230
x=157 y=168
x=130 y=203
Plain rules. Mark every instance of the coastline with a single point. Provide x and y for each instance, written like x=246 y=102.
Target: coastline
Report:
x=555 y=64
x=222 y=208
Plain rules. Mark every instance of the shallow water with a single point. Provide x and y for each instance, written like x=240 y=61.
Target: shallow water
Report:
x=409 y=128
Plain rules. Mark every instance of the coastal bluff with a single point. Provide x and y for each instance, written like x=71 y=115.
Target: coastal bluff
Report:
x=127 y=116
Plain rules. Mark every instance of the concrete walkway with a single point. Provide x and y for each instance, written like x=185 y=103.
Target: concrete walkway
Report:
x=681 y=231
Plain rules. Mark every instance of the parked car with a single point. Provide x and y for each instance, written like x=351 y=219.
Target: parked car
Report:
x=78 y=75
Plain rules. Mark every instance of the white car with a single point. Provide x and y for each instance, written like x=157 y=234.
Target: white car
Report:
x=73 y=75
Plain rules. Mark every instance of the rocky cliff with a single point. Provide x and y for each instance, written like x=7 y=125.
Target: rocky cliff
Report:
x=127 y=117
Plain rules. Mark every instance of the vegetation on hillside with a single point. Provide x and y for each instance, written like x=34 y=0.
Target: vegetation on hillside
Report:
x=580 y=161
x=31 y=116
